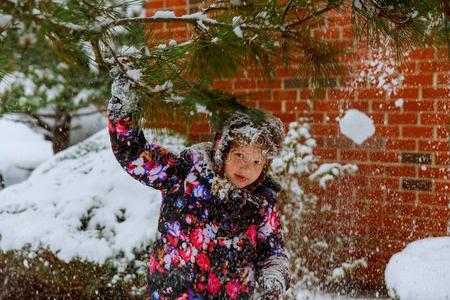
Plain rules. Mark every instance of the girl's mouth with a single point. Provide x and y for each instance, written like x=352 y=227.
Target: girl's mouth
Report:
x=240 y=178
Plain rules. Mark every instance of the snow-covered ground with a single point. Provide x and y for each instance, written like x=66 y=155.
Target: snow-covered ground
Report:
x=420 y=271
x=21 y=151
x=80 y=203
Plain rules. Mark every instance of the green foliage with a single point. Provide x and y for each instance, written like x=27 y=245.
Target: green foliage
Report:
x=88 y=37
x=44 y=276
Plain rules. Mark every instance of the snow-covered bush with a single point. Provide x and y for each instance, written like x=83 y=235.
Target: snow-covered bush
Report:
x=420 y=271
x=80 y=205
x=21 y=151
x=314 y=253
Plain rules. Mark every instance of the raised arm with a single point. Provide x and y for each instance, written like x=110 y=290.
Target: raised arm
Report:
x=147 y=162
x=272 y=263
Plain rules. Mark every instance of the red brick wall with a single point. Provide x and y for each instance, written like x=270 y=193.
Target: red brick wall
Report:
x=402 y=190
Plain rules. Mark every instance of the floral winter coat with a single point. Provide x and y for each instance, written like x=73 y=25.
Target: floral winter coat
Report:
x=209 y=248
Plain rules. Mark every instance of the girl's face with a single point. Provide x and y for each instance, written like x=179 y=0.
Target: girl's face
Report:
x=244 y=164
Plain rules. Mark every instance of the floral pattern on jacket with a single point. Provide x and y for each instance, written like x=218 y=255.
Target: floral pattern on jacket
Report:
x=209 y=248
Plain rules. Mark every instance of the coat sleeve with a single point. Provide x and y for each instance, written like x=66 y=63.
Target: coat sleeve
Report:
x=147 y=162
x=272 y=264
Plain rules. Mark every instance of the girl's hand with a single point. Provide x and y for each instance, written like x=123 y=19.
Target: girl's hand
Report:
x=272 y=288
x=274 y=295
x=122 y=102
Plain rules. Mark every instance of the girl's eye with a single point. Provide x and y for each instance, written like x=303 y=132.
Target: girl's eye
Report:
x=238 y=154
x=257 y=162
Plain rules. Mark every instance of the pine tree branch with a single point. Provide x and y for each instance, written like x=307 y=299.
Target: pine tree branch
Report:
x=286 y=9
x=153 y=19
x=327 y=8
x=97 y=53
x=123 y=70
x=215 y=7
x=39 y=122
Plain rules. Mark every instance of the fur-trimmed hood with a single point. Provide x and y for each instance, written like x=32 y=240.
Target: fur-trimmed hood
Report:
x=241 y=128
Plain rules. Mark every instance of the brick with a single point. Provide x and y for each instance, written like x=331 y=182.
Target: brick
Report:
x=434 y=199
x=407 y=93
x=338 y=21
x=399 y=208
x=422 y=54
x=329 y=34
x=371 y=94
x=400 y=171
x=306 y=94
x=442 y=133
x=407 y=68
x=397 y=222
x=431 y=225
x=416 y=80
x=284 y=95
x=416 y=185
x=442 y=158
x=387 y=131
x=416 y=158
x=442 y=187
x=324 y=129
x=435 y=173
x=385 y=183
x=174 y=3
x=424 y=132
x=402 y=118
x=378 y=118
x=403 y=197
x=372 y=195
x=353 y=155
x=371 y=169
x=434 y=119
x=418 y=105
x=295 y=105
x=439 y=93
x=244 y=84
x=270 y=105
x=385 y=105
x=348 y=32
x=404 y=145
x=338 y=94
x=443 y=106
x=372 y=143
x=443 y=79
x=154 y=4
x=285 y=117
x=283 y=72
x=294 y=83
x=326 y=153
x=434 y=146
x=338 y=142
x=357 y=104
x=326 y=105
x=384 y=156
x=264 y=84
x=433 y=212
x=255 y=96
x=433 y=67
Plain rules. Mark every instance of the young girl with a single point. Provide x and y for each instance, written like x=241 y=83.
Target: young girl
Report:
x=220 y=235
